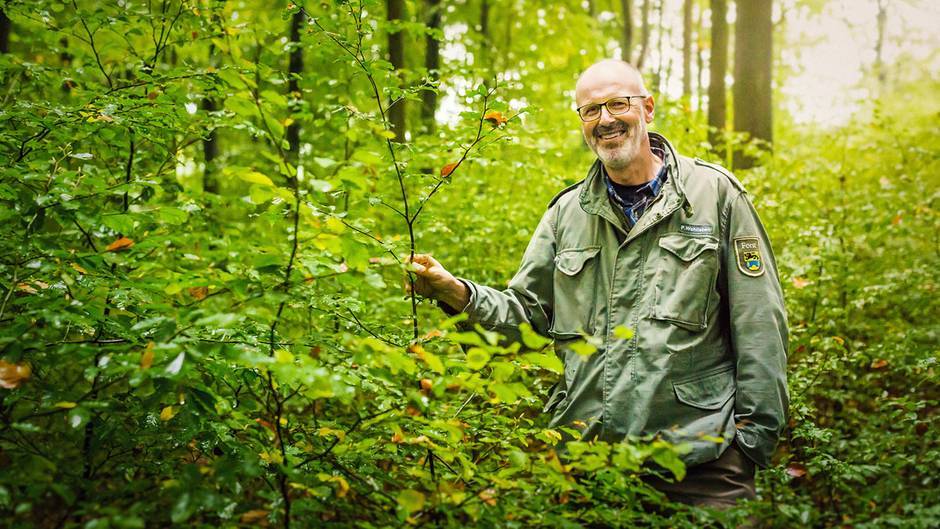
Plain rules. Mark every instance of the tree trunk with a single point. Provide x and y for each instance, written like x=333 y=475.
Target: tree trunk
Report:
x=699 y=59
x=396 y=55
x=687 y=49
x=627 y=43
x=879 y=45
x=660 y=64
x=485 y=62
x=644 y=35
x=753 y=57
x=717 y=69
x=295 y=70
x=5 y=27
x=210 y=145
x=432 y=63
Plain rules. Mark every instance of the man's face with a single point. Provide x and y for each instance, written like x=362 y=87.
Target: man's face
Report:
x=616 y=140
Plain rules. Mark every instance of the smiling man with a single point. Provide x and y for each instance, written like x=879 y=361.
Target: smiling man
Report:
x=671 y=248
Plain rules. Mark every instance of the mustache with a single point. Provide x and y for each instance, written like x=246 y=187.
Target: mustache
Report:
x=600 y=130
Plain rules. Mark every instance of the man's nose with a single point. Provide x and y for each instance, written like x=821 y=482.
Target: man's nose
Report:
x=606 y=116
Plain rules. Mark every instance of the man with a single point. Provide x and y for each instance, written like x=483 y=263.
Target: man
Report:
x=671 y=248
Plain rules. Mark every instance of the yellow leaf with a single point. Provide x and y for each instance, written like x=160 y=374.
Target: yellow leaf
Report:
x=283 y=356
x=65 y=405
x=256 y=178
x=146 y=358
x=167 y=413
x=79 y=269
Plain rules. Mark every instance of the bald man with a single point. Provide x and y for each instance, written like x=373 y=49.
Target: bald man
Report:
x=671 y=248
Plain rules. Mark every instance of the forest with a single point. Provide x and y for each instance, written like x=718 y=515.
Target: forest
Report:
x=208 y=207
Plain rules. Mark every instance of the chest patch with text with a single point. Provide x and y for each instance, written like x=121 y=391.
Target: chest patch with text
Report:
x=696 y=229
x=748 y=253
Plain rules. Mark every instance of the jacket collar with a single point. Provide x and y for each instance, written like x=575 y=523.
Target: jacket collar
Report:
x=595 y=199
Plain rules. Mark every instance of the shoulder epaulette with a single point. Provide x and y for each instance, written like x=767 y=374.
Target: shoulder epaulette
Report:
x=734 y=181
x=563 y=191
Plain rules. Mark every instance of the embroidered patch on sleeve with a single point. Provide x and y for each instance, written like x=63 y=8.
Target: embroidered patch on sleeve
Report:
x=750 y=260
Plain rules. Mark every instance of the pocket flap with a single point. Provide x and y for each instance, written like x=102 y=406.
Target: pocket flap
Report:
x=570 y=262
x=709 y=391
x=685 y=247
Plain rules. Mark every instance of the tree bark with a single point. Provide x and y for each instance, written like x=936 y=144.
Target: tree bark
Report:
x=295 y=70
x=753 y=58
x=396 y=55
x=644 y=34
x=879 y=44
x=687 y=48
x=5 y=27
x=432 y=63
x=627 y=42
x=717 y=69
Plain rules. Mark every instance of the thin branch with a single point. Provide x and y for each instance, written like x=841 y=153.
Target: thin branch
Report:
x=94 y=50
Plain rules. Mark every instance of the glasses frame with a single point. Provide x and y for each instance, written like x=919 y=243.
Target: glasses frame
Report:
x=609 y=111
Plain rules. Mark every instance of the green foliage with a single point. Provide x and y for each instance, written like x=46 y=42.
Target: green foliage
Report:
x=226 y=344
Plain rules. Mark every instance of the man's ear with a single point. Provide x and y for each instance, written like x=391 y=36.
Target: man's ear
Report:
x=649 y=105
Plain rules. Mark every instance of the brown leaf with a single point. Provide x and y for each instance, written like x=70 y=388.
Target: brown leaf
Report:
x=799 y=282
x=121 y=244
x=258 y=516
x=12 y=375
x=27 y=288
x=488 y=496
x=426 y=384
x=449 y=168
x=199 y=293
x=879 y=364
x=796 y=470
x=494 y=117
x=266 y=424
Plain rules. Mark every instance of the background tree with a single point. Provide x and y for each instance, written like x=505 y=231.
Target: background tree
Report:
x=717 y=69
x=753 y=65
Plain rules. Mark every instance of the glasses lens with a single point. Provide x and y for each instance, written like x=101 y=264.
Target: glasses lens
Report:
x=590 y=112
x=618 y=106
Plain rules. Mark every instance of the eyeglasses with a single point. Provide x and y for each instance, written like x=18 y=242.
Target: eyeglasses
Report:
x=615 y=107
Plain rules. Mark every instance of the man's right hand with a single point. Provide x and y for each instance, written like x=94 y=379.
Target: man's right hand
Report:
x=433 y=281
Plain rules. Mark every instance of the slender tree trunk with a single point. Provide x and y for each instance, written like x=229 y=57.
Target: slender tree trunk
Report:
x=699 y=60
x=486 y=59
x=660 y=63
x=717 y=69
x=644 y=34
x=627 y=43
x=687 y=49
x=432 y=63
x=753 y=57
x=210 y=145
x=396 y=55
x=295 y=69
x=5 y=27
x=879 y=45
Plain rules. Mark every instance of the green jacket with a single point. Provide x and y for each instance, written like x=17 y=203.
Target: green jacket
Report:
x=695 y=280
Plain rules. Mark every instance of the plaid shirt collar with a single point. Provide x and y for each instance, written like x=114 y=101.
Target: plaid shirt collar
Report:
x=633 y=201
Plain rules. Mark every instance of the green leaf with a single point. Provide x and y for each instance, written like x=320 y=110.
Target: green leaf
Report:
x=622 y=332
x=411 y=500
x=583 y=348
x=531 y=339
x=549 y=362
x=477 y=358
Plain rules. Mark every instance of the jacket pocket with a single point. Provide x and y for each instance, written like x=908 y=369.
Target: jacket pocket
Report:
x=575 y=290
x=710 y=390
x=685 y=280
